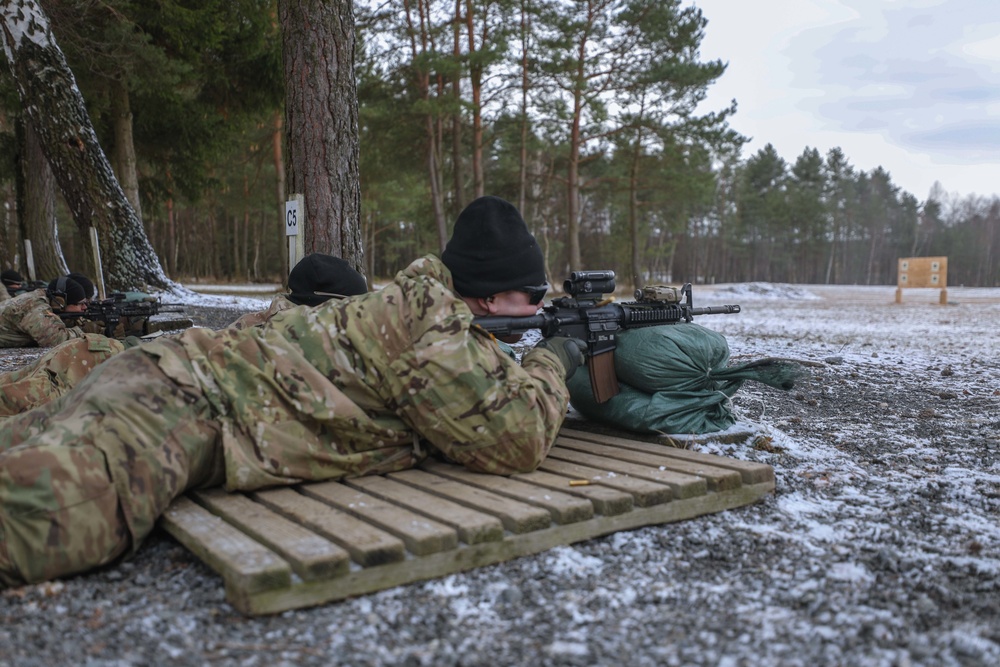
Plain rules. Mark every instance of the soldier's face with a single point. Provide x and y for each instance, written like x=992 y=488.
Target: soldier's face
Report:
x=75 y=308
x=512 y=304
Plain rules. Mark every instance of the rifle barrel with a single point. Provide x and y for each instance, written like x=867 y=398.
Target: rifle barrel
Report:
x=716 y=310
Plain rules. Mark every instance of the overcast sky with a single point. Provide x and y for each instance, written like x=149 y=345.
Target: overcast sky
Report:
x=909 y=85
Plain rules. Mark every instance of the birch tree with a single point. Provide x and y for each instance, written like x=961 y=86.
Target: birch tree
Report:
x=53 y=103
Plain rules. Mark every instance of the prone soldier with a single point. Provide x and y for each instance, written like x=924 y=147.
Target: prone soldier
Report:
x=360 y=386
x=315 y=279
x=45 y=317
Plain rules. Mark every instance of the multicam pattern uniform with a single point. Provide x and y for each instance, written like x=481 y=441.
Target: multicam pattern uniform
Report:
x=342 y=389
x=27 y=320
x=54 y=373
x=65 y=365
x=278 y=304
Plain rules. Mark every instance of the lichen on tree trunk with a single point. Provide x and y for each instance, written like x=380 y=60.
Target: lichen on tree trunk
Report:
x=52 y=100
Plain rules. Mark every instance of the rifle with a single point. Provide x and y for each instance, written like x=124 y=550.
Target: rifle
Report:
x=588 y=315
x=27 y=286
x=118 y=308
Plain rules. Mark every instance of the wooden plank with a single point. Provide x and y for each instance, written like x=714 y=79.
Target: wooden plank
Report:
x=564 y=507
x=605 y=500
x=737 y=434
x=310 y=555
x=751 y=472
x=472 y=526
x=644 y=493
x=717 y=479
x=420 y=534
x=517 y=517
x=360 y=582
x=682 y=486
x=367 y=544
x=627 y=489
x=245 y=565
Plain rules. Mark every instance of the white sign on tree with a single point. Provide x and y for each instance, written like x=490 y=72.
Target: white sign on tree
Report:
x=295 y=228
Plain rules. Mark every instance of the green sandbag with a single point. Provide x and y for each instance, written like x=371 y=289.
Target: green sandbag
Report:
x=675 y=380
x=663 y=412
x=675 y=357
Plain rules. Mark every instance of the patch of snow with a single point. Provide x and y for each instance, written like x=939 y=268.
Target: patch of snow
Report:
x=767 y=291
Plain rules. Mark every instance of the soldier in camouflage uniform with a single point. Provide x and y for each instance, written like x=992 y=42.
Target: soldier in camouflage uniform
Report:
x=31 y=319
x=13 y=284
x=361 y=386
x=54 y=373
x=312 y=281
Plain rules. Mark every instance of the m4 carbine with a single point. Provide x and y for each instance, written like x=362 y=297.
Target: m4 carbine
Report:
x=588 y=315
x=122 y=316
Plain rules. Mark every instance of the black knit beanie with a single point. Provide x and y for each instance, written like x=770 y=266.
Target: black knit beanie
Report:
x=67 y=289
x=329 y=276
x=88 y=286
x=492 y=251
x=11 y=277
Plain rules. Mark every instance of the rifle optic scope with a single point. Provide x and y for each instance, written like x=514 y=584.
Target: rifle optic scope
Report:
x=590 y=283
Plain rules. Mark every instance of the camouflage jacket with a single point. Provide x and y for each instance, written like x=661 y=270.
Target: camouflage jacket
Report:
x=27 y=320
x=278 y=304
x=54 y=373
x=63 y=366
x=369 y=385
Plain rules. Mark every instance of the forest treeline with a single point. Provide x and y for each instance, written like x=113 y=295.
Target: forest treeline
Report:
x=587 y=114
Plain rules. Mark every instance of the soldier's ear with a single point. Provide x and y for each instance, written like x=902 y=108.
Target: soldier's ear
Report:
x=58 y=303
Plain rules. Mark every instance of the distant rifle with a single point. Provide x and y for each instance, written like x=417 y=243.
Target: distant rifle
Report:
x=27 y=286
x=117 y=308
x=587 y=315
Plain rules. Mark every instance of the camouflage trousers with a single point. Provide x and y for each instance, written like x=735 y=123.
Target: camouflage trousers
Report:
x=54 y=373
x=84 y=478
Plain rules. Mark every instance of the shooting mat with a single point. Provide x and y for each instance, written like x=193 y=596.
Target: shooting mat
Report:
x=300 y=546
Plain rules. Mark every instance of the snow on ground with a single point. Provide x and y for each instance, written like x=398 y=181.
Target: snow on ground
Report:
x=880 y=545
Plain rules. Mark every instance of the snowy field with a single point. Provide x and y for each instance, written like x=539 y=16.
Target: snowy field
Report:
x=880 y=546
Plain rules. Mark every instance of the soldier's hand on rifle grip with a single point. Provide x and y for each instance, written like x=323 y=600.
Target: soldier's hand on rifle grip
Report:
x=91 y=327
x=571 y=351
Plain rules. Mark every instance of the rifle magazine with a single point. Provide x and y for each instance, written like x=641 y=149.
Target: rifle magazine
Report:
x=603 y=379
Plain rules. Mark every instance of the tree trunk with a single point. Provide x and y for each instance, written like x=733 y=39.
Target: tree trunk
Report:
x=50 y=97
x=456 y=117
x=573 y=188
x=522 y=172
x=573 y=168
x=38 y=215
x=476 y=85
x=633 y=214
x=419 y=30
x=123 y=155
x=279 y=171
x=321 y=110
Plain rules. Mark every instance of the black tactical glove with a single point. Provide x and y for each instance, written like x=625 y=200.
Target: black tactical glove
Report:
x=570 y=351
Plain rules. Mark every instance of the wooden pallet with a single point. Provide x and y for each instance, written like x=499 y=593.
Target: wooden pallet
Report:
x=294 y=547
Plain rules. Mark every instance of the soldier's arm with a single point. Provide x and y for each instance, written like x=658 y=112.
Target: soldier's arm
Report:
x=481 y=409
x=46 y=328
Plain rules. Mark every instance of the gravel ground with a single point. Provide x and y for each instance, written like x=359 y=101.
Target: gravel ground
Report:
x=880 y=546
